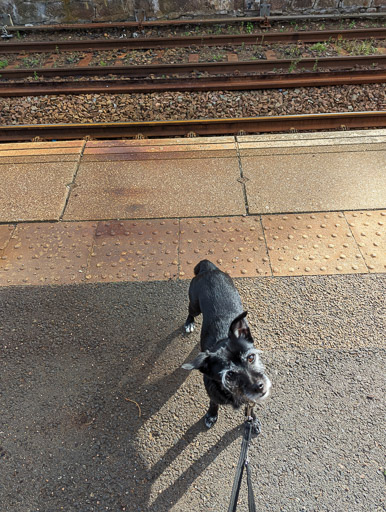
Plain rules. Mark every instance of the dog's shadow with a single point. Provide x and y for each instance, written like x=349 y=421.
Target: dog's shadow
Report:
x=108 y=390
x=177 y=489
x=161 y=391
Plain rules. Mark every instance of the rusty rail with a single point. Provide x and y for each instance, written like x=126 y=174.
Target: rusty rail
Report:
x=186 y=41
x=199 y=127
x=245 y=82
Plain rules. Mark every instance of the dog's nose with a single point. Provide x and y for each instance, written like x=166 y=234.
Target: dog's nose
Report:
x=259 y=387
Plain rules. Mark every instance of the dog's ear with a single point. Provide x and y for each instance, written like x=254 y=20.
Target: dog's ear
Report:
x=200 y=363
x=239 y=327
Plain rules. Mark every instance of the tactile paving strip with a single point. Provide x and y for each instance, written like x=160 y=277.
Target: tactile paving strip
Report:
x=135 y=251
x=150 y=250
x=5 y=234
x=369 y=229
x=235 y=244
x=311 y=244
x=47 y=254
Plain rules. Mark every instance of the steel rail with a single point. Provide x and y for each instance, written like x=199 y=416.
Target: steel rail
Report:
x=186 y=41
x=254 y=66
x=244 y=82
x=195 y=21
x=199 y=127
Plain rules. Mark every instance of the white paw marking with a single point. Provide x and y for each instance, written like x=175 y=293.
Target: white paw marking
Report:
x=189 y=327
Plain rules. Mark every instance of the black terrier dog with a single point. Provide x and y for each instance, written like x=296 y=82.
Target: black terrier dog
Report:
x=233 y=372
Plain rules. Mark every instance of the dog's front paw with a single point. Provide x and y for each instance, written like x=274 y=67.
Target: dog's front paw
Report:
x=210 y=420
x=256 y=427
x=189 y=327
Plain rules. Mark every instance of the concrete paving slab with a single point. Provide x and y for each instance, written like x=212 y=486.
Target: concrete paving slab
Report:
x=41 y=151
x=22 y=146
x=170 y=155
x=108 y=150
x=161 y=142
x=315 y=182
x=320 y=243
x=369 y=229
x=129 y=150
x=42 y=158
x=135 y=251
x=165 y=188
x=235 y=244
x=319 y=142
x=339 y=136
x=289 y=148
x=97 y=408
x=34 y=192
x=47 y=254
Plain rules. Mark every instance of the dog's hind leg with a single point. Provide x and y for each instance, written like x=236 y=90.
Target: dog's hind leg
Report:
x=211 y=416
x=193 y=311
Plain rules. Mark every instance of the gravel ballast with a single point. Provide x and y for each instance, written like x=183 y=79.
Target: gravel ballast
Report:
x=189 y=105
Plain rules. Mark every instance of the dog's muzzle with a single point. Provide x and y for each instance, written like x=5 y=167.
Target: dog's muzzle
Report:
x=261 y=391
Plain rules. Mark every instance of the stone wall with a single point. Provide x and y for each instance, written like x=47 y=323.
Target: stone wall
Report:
x=71 y=11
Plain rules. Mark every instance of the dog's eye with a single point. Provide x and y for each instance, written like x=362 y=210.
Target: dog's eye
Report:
x=231 y=375
x=251 y=358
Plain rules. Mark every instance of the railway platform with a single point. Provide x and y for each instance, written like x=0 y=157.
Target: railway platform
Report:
x=98 y=241
x=132 y=210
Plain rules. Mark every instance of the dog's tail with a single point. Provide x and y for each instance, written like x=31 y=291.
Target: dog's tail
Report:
x=203 y=266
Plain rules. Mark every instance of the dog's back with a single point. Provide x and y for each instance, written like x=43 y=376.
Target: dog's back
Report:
x=213 y=293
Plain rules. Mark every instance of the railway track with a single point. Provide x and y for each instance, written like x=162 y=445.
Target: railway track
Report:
x=197 y=127
x=215 y=68
x=313 y=36
x=239 y=83
x=265 y=72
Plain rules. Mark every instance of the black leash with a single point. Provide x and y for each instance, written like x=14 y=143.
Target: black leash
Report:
x=244 y=463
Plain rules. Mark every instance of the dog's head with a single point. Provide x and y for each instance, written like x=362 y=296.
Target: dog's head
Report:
x=236 y=365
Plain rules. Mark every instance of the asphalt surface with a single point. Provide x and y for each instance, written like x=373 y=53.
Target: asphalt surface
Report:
x=96 y=413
